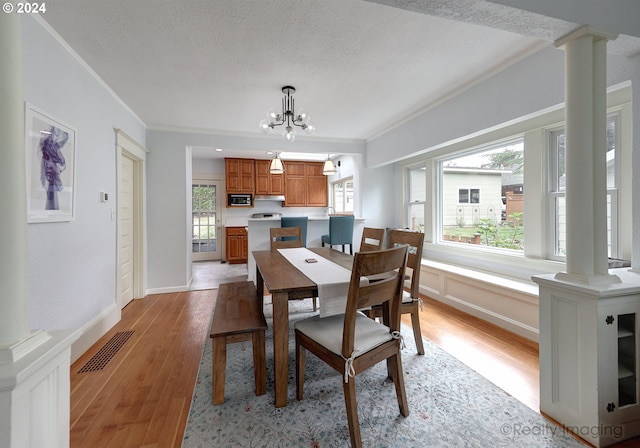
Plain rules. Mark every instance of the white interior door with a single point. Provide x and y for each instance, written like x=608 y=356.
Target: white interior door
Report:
x=206 y=209
x=126 y=226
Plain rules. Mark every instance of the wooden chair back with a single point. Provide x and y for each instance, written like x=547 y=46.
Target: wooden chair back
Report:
x=387 y=292
x=415 y=243
x=277 y=234
x=372 y=239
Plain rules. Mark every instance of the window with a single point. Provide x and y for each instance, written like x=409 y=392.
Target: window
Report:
x=468 y=195
x=204 y=217
x=343 y=195
x=482 y=196
x=557 y=192
x=417 y=188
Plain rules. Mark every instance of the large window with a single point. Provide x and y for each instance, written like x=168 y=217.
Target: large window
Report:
x=557 y=191
x=482 y=195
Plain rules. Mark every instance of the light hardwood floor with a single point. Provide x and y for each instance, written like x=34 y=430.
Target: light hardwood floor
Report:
x=142 y=396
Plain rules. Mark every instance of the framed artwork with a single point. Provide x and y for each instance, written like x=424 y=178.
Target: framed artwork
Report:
x=51 y=167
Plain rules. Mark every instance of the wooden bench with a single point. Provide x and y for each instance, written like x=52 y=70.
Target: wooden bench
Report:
x=238 y=316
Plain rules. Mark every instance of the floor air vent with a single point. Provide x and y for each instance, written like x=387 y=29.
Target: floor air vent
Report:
x=102 y=358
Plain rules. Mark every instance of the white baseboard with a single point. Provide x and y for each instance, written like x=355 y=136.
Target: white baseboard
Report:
x=94 y=330
x=168 y=289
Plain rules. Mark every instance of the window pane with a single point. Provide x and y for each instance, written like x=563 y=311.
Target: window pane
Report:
x=348 y=197
x=475 y=196
x=561 y=225
x=417 y=185
x=611 y=154
x=476 y=188
x=204 y=218
x=338 y=197
x=463 y=196
x=416 y=217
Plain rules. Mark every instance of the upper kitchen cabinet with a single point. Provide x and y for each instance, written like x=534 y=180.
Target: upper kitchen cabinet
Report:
x=305 y=185
x=240 y=175
x=267 y=183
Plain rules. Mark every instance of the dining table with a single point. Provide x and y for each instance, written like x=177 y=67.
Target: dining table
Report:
x=285 y=282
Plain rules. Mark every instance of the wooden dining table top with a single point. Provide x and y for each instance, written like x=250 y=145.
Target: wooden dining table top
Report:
x=281 y=276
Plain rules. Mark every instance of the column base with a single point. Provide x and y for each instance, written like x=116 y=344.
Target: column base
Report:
x=12 y=353
x=592 y=280
x=35 y=395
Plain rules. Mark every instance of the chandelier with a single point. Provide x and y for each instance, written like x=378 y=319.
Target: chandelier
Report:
x=287 y=117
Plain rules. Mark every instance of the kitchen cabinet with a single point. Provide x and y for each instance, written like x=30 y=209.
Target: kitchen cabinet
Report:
x=240 y=175
x=267 y=183
x=237 y=244
x=305 y=185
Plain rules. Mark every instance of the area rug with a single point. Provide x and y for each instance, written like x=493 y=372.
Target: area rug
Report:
x=450 y=405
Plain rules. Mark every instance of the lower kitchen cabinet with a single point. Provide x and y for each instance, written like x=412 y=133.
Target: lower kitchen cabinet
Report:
x=236 y=244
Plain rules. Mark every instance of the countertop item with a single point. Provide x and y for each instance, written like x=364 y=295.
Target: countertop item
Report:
x=267 y=215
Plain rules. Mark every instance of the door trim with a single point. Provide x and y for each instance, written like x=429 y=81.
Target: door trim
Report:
x=129 y=148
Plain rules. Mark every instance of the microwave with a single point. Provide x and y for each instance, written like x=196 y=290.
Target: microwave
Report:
x=240 y=200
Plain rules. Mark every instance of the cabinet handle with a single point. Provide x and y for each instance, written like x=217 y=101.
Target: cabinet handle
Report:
x=610 y=407
x=609 y=320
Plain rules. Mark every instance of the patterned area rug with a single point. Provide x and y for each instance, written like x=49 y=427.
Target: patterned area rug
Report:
x=450 y=405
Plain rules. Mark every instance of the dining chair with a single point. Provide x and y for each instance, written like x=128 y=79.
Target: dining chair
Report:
x=296 y=221
x=411 y=301
x=340 y=232
x=372 y=239
x=351 y=342
x=277 y=236
x=288 y=237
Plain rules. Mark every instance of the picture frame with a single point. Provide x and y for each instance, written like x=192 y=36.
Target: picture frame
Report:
x=50 y=148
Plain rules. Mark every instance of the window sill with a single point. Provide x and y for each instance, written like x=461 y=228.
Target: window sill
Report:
x=497 y=264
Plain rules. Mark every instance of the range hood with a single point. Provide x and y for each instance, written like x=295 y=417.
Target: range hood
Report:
x=269 y=197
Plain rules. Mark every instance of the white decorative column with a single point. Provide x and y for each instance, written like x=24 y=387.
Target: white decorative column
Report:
x=586 y=187
x=34 y=366
x=589 y=316
x=13 y=238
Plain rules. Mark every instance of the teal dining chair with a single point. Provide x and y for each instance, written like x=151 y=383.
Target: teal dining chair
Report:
x=296 y=221
x=340 y=232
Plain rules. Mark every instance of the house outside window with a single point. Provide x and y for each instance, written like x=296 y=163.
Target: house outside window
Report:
x=481 y=196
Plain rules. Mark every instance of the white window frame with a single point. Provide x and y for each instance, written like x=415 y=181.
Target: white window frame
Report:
x=555 y=193
x=344 y=188
x=469 y=189
x=415 y=203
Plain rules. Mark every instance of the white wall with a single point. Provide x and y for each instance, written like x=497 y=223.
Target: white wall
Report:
x=72 y=265
x=526 y=87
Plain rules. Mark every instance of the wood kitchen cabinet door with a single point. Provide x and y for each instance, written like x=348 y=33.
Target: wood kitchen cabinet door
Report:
x=267 y=183
x=317 y=185
x=305 y=185
x=237 y=244
x=239 y=175
x=295 y=192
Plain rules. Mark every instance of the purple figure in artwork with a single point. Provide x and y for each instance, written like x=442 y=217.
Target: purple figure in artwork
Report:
x=53 y=164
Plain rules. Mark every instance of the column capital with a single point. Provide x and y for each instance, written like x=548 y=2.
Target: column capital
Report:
x=583 y=31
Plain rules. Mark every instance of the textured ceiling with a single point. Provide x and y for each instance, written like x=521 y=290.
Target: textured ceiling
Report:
x=359 y=67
